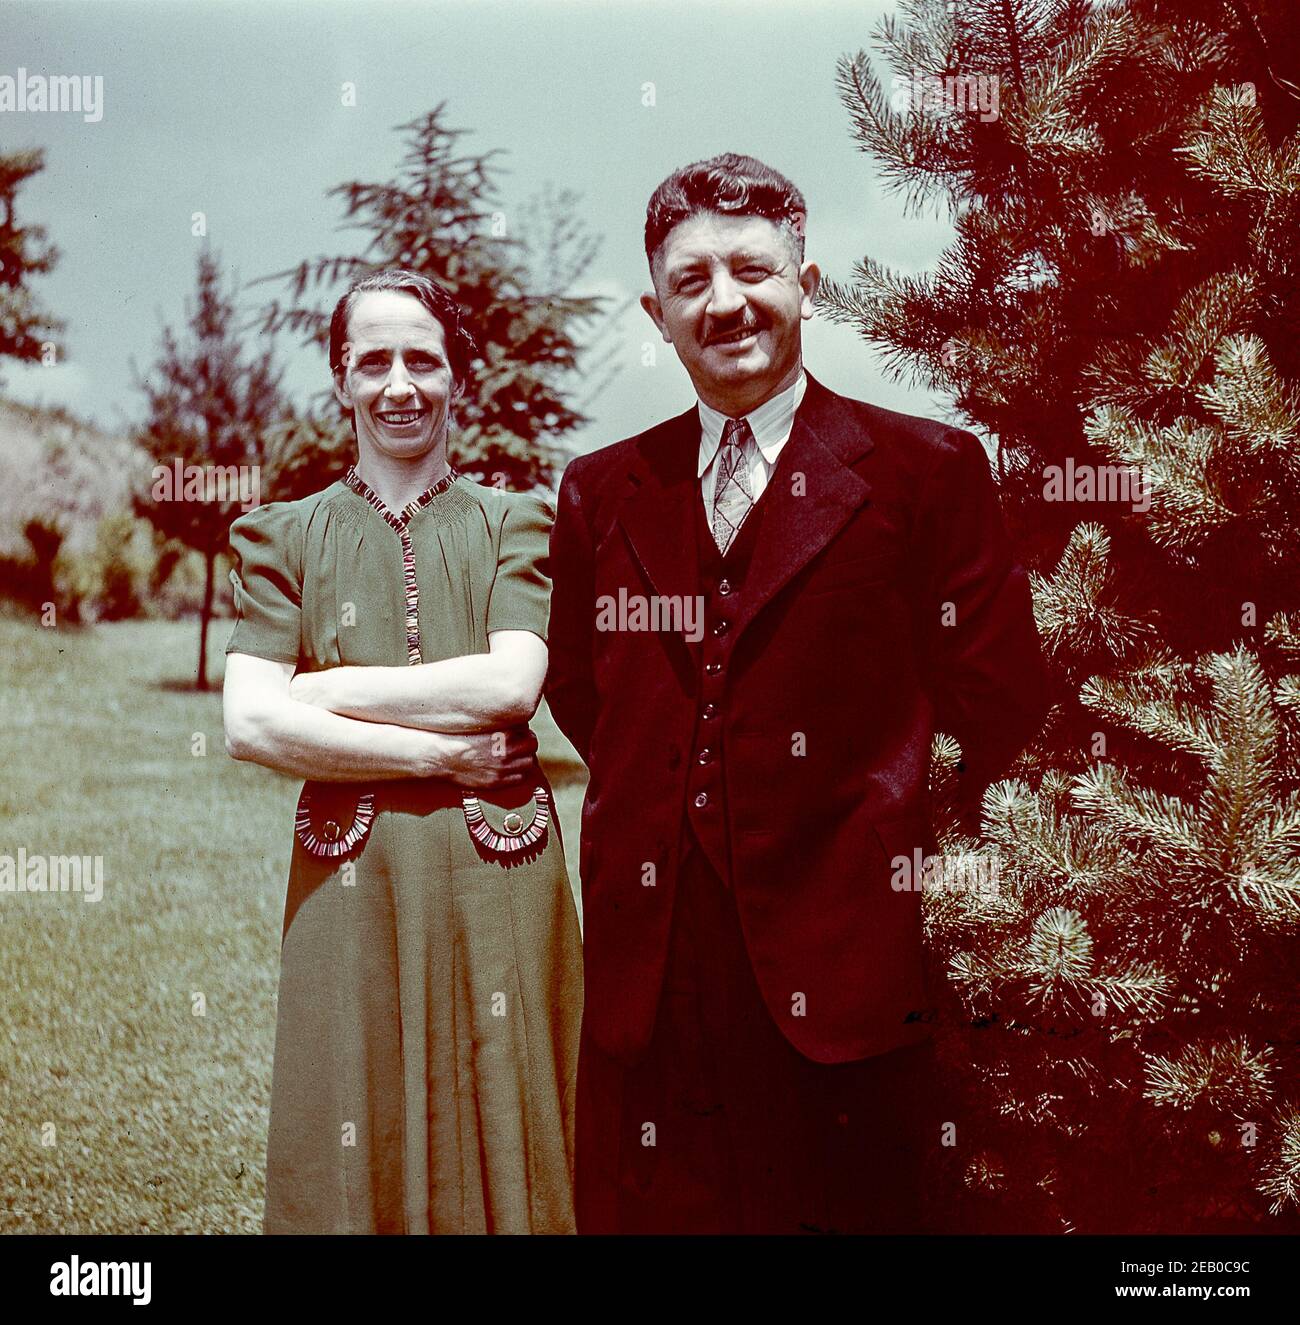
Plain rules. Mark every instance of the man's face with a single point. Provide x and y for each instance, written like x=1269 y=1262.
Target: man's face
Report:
x=729 y=295
x=396 y=377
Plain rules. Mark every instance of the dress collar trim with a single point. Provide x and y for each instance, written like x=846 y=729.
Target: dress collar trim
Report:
x=413 y=507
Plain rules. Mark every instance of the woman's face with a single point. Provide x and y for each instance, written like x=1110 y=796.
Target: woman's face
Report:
x=396 y=378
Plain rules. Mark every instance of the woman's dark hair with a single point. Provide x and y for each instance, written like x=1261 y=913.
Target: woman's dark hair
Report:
x=461 y=347
x=732 y=184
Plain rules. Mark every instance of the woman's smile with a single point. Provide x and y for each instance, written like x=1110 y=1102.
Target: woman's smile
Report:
x=401 y=420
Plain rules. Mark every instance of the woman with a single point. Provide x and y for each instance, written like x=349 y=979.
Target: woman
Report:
x=430 y=979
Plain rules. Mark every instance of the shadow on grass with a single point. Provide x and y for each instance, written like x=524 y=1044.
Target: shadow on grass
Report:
x=177 y=685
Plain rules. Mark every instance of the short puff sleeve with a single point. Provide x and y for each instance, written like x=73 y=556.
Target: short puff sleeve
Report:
x=267 y=579
x=521 y=591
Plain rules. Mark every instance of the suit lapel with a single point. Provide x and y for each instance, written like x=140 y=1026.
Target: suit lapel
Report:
x=810 y=497
x=659 y=514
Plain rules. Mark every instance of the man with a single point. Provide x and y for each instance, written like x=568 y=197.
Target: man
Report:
x=754 y=1053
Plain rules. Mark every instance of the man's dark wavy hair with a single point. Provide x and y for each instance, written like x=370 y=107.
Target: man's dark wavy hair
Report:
x=461 y=347
x=732 y=184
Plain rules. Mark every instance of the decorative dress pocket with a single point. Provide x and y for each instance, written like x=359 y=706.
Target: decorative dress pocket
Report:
x=509 y=835
x=333 y=818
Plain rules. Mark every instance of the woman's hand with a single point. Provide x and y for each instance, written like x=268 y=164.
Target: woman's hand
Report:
x=480 y=761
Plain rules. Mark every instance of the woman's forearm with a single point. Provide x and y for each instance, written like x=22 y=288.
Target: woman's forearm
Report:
x=304 y=741
x=474 y=693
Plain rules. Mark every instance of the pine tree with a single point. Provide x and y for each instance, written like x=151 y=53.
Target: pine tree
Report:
x=1118 y=316
x=26 y=329
x=443 y=216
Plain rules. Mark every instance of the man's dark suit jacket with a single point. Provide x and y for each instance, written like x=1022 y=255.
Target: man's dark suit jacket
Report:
x=881 y=601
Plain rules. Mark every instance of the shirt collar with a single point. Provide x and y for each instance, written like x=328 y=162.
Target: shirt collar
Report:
x=771 y=423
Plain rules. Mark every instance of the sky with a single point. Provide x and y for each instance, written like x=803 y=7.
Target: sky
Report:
x=234 y=108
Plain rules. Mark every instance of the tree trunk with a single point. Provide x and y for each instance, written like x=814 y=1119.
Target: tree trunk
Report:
x=205 y=617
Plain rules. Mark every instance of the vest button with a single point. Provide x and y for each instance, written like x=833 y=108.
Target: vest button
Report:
x=710 y=710
x=721 y=628
x=705 y=756
x=724 y=587
x=701 y=800
x=330 y=831
x=713 y=668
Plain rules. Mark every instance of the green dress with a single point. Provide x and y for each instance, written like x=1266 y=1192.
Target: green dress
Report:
x=430 y=995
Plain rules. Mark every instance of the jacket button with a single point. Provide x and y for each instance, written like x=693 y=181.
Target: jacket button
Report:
x=721 y=628
x=713 y=668
x=705 y=755
x=710 y=710
x=330 y=831
x=724 y=587
x=701 y=800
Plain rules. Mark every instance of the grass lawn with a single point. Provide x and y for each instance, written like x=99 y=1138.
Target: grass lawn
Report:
x=121 y=1110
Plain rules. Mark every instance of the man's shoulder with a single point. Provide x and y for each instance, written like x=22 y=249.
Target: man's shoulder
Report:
x=615 y=459
x=913 y=440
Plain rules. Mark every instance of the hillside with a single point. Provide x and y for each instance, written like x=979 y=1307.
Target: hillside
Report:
x=60 y=469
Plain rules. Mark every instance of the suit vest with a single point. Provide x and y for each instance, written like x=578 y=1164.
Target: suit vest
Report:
x=722 y=586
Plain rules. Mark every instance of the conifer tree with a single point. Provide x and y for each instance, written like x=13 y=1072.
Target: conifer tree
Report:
x=1117 y=316
x=513 y=274
x=26 y=328
x=212 y=407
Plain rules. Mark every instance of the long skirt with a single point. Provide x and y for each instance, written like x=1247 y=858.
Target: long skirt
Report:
x=427 y=1033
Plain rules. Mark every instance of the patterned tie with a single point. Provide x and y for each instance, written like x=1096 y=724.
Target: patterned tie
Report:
x=733 y=498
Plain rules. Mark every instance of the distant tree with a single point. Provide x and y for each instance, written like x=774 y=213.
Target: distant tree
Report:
x=210 y=410
x=25 y=327
x=443 y=216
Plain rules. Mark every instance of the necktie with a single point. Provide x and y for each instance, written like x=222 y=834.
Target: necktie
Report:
x=733 y=498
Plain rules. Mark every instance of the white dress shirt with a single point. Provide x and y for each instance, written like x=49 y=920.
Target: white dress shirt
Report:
x=771 y=423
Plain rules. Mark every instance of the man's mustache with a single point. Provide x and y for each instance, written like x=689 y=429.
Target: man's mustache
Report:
x=721 y=333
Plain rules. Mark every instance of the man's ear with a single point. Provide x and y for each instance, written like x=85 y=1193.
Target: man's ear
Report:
x=650 y=302
x=810 y=278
